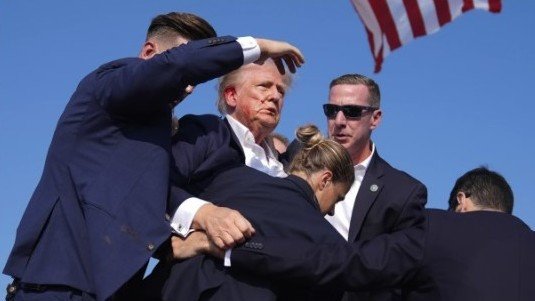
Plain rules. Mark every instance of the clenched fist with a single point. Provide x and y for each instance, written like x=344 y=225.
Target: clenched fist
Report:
x=225 y=227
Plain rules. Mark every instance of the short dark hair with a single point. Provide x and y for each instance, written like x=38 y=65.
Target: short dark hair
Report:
x=188 y=26
x=357 y=79
x=487 y=189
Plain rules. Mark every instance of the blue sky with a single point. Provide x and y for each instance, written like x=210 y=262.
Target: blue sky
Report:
x=451 y=101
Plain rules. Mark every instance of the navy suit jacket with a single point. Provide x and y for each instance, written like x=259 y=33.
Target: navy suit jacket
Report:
x=396 y=201
x=203 y=145
x=451 y=257
x=98 y=212
x=285 y=208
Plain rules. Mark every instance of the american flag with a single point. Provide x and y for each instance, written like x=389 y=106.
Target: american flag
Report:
x=393 y=23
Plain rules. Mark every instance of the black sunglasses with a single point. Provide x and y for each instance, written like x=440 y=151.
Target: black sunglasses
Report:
x=350 y=111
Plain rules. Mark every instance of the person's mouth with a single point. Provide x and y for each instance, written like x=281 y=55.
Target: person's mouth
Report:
x=339 y=137
x=270 y=111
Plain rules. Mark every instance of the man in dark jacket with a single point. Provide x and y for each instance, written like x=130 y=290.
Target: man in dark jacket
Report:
x=99 y=210
x=483 y=254
x=382 y=199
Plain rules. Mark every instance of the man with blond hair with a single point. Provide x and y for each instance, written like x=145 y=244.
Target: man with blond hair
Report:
x=251 y=99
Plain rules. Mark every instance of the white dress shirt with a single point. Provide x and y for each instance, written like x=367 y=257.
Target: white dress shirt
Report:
x=341 y=220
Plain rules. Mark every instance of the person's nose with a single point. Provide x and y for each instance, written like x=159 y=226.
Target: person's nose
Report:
x=340 y=118
x=274 y=96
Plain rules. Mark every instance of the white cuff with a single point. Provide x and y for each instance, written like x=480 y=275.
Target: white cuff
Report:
x=226 y=262
x=183 y=217
x=251 y=50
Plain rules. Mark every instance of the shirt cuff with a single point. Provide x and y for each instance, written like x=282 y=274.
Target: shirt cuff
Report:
x=183 y=217
x=251 y=50
x=226 y=262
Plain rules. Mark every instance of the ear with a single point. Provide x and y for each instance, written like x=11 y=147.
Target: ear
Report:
x=376 y=119
x=462 y=200
x=326 y=176
x=149 y=50
x=231 y=96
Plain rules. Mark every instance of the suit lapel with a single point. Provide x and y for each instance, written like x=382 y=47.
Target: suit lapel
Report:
x=369 y=189
x=235 y=142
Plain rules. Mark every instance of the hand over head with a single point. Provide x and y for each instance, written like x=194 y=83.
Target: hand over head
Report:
x=279 y=52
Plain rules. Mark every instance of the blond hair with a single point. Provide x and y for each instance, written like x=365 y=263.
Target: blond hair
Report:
x=319 y=153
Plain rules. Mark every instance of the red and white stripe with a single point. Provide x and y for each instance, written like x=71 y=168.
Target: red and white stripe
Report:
x=393 y=23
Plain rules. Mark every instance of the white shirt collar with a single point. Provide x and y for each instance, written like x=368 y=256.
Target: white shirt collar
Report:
x=364 y=164
x=241 y=131
x=260 y=157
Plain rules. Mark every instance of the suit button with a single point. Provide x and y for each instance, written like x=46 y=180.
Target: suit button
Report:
x=150 y=247
x=260 y=246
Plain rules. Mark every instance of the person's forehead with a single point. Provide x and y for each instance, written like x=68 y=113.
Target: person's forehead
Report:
x=346 y=94
x=267 y=71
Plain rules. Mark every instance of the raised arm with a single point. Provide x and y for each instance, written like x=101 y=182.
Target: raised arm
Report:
x=141 y=87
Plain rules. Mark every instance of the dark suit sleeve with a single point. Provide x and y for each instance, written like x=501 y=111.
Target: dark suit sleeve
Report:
x=142 y=87
x=200 y=149
x=413 y=208
x=385 y=261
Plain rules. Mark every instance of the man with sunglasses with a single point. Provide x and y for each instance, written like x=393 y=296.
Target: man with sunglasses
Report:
x=382 y=198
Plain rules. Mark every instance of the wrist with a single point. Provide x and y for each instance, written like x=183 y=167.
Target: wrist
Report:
x=199 y=222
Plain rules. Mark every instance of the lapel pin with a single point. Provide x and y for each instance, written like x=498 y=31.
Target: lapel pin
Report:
x=374 y=187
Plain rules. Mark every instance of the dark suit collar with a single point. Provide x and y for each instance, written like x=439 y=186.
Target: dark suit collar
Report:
x=369 y=189
x=235 y=142
x=304 y=188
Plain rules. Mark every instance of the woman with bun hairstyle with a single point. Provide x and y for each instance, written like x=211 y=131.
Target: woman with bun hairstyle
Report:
x=322 y=162
x=289 y=208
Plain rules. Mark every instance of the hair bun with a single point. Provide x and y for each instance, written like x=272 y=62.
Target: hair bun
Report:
x=309 y=135
x=317 y=154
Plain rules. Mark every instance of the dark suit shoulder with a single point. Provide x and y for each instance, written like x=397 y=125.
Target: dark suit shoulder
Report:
x=493 y=219
x=117 y=63
x=89 y=79
x=472 y=229
x=205 y=120
x=194 y=126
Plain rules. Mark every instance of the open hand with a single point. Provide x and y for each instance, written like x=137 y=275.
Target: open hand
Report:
x=279 y=52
